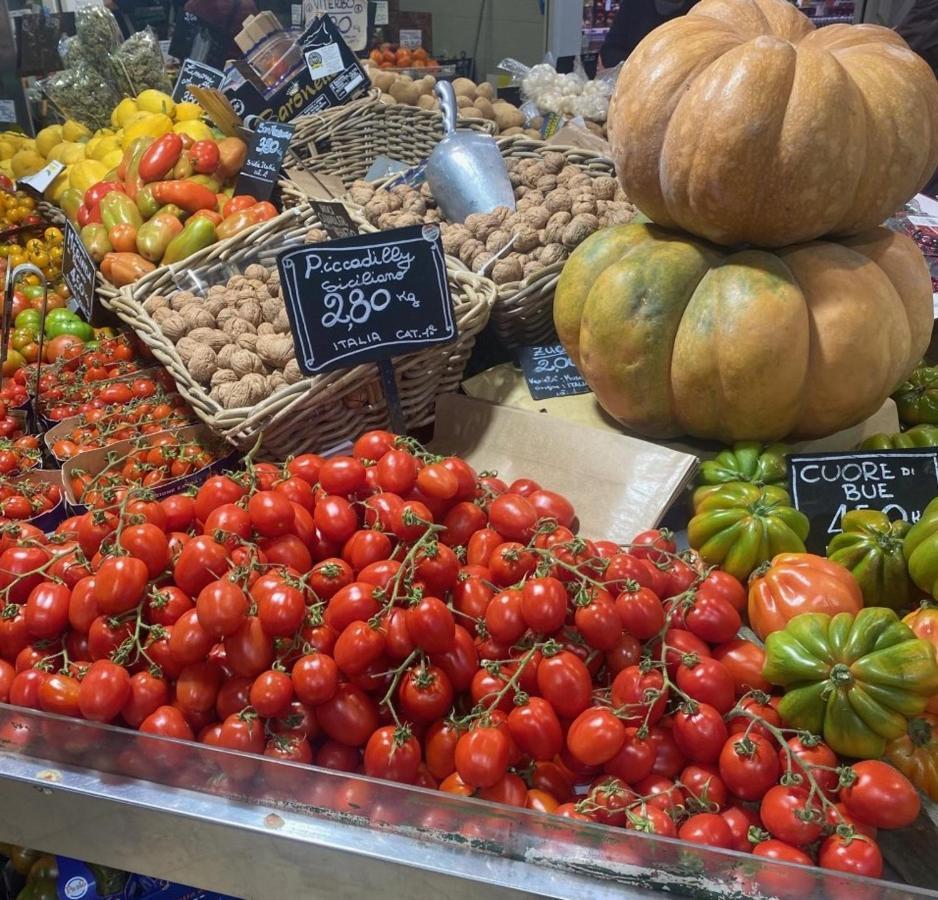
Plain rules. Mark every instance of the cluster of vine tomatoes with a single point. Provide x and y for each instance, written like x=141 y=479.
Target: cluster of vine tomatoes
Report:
x=19 y=455
x=397 y=614
x=25 y=498
x=103 y=426
x=153 y=460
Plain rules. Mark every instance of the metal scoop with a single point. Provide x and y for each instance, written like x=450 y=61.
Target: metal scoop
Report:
x=465 y=171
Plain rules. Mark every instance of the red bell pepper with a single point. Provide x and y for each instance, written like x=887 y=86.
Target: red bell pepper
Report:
x=160 y=157
x=186 y=194
x=94 y=194
x=204 y=157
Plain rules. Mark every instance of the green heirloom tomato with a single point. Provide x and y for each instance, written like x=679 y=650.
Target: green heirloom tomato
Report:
x=32 y=291
x=71 y=326
x=22 y=337
x=920 y=548
x=747 y=461
x=28 y=318
x=739 y=526
x=917 y=398
x=870 y=548
x=854 y=679
x=919 y=436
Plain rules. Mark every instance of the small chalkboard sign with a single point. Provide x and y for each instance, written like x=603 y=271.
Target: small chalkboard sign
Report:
x=196 y=73
x=549 y=372
x=79 y=271
x=261 y=170
x=826 y=485
x=334 y=218
x=367 y=298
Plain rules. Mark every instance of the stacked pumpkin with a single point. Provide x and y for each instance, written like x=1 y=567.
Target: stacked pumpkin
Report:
x=746 y=128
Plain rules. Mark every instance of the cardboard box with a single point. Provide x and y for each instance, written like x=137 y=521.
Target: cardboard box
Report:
x=95 y=461
x=506 y=386
x=619 y=485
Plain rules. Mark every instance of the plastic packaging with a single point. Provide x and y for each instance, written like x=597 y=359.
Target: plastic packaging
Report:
x=138 y=64
x=568 y=95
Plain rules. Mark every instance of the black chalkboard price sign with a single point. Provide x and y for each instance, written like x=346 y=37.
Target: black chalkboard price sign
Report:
x=367 y=298
x=824 y=486
x=550 y=372
x=335 y=219
x=196 y=73
x=261 y=169
x=79 y=271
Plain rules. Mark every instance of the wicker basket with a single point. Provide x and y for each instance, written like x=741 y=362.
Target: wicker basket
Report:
x=324 y=410
x=523 y=314
x=346 y=140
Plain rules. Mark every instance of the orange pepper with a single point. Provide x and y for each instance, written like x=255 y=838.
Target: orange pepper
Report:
x=123 y=238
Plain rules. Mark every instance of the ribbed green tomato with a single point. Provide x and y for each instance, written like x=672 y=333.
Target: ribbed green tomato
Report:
x=854 y=679
x=917 y=397
x=739 y=526
x=747 y=461
x=920 y=548
x=919 y=436
x=870 y=548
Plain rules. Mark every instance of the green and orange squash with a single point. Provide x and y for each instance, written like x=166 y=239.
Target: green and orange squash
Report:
x=677 y=336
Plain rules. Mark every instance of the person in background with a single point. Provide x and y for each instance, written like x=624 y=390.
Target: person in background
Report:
x=122 y=10
x=920 y=30
x=634 y=20
x=222 y=19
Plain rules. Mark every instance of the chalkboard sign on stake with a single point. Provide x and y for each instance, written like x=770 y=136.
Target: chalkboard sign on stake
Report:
x=261 y=170
x=334 y=218
x=550 y=372
x=824 y=486
x=367 y=299
x=79 y=271
x=198 y=74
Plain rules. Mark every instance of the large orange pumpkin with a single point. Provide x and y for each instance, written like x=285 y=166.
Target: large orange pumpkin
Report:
x=675 y=336
x=740 y=122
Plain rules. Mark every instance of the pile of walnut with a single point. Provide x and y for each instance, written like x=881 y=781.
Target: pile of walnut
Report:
x=558 y=207
x=475 y=101
x=236 y=339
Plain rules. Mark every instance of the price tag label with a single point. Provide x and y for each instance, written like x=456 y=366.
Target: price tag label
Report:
x=335 y=219
x=824 y=486
x=79 y=271
x=549 y=372
x=39 y=181
x=196 y=73
x=381 y=12
x=261 y=169
x=367 y=298
x=411 y=38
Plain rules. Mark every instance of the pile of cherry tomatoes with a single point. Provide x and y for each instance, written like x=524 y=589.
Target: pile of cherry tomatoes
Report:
x=398 y=614
x=25 y=498
x=103 y=426
x=154 y=460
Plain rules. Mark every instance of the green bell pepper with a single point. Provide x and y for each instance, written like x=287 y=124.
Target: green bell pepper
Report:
x=854 y=679
x=920 y=548
x=119 y=209
x=146 y=203
x=870 y=548
x=198 y=234
x=917 y=398
x=96 y=241
x=919 y=436
x=739 y=526
x=747 y=461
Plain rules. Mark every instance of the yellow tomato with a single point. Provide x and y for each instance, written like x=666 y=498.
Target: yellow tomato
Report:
x=197 y=130
x=53 y=235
